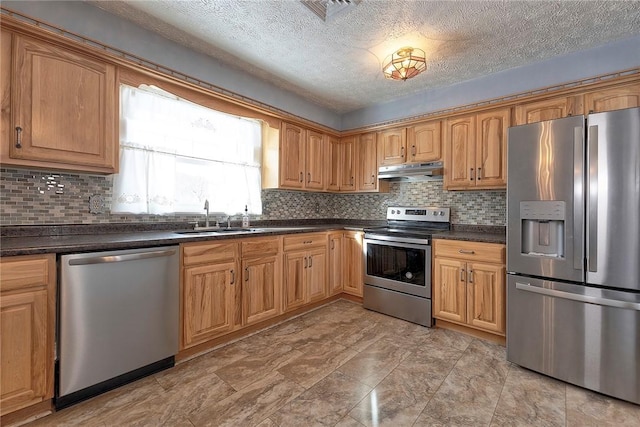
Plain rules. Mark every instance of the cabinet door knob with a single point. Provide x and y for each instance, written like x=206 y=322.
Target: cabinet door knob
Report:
x=18 y=137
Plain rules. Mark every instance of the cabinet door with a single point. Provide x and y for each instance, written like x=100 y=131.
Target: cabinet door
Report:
x=449 y=296
x=65 y=104
x=292 y=156
x=260 y=289
x=459 y=153
x=24 y=359
x=315 y=161
x=368 y=164
x=334 y=163
x=491 y=148
x=348 y=147
x=549 y=109
x=486 y=297
x=335 y=262
x=616 y=98
x=352 y=267
x=208 y=301
x=316 y=274
x=424 y=142
x=393 y=146
x=295 y=268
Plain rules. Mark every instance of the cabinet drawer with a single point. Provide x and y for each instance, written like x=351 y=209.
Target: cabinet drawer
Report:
x=209 y=253
x=260 y=247
x=470 y=251
x=304 y=241
x=26 y=271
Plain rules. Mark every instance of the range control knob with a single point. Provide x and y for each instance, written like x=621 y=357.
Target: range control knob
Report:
x=393 y=211
x=441 y=213
x=434 y=213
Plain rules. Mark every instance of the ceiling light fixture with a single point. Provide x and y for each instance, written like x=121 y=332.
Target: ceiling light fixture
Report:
x=405 y=63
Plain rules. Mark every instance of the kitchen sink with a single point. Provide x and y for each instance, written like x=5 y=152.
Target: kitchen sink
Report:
x=220 y=230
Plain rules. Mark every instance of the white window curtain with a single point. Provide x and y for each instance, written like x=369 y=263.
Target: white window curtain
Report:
x=175 y=154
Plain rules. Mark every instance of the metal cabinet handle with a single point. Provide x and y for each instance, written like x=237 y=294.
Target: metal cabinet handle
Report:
x=233 y=277
x=471 y=174
x=373 y=179
x=470 y=276
x=310 y=261
x=402 y=151
x=466 y=251
x=413 y=150
x=333 y=244
x=462 y=274
x=18 y=137
x=308 y=177
x=246 y=274
x=305 y=262
x=479 y=174
x=351 y=180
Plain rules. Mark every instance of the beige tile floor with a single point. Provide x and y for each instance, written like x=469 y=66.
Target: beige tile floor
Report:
x=342 y=365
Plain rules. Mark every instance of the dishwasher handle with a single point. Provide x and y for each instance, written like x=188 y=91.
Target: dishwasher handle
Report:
x=121 y=258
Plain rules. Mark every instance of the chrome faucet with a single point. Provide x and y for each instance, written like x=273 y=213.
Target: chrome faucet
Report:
x=206 y=218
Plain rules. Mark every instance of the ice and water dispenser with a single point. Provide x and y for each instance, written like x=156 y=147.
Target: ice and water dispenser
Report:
x=543 y=225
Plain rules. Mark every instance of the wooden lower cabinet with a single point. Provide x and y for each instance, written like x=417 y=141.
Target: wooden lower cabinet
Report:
x=469 y=284
x=260 y=289
x=27 y=331
x=335 y=275
x=352 y=267
x=305 y=277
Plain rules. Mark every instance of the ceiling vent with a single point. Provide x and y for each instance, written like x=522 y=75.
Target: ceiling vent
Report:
x=327 y=10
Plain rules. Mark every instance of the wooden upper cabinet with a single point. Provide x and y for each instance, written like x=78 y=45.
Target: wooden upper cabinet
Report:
x=424 y=142
x=459 y=153
x=476 y=151
x=292 y=156
x=5 y=93
x=334 y=163
x=549 y=109
x=392 y=146
x=315 y=161
x=368 y=164
x=491 y=148
x=65 y=104
x=348 y=147
x=617 y=98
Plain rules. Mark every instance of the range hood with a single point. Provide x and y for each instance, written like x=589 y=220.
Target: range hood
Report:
x=411 y=172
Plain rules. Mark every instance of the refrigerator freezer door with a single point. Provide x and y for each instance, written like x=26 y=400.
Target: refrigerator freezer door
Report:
x=545 y=199
x=613 y=202
x=585 y=336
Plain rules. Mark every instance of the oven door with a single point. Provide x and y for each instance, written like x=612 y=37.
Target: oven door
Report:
x=400 y=266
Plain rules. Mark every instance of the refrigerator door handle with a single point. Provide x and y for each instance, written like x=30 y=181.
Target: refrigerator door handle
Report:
x=578 y=297
x=592 y=204
x=578 y=197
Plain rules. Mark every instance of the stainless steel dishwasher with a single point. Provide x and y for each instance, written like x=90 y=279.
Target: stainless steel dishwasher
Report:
x=118 y=319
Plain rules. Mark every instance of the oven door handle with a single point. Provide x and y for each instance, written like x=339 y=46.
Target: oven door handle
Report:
x=396 y=244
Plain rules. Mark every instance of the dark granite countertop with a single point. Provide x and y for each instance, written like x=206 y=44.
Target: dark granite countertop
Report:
x=475 y=233
x=63 y=239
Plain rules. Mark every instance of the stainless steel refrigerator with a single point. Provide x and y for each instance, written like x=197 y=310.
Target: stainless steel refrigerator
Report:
x=573 y=251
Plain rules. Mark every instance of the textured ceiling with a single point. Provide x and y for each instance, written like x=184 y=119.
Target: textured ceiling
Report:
x=337 y=64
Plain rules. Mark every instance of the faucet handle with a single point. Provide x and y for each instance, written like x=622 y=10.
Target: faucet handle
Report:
x=206 y=205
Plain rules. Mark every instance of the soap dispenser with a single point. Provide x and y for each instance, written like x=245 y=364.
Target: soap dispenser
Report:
x=245 y=217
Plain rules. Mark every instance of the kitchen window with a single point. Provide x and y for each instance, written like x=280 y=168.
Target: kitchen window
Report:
x=175 y=154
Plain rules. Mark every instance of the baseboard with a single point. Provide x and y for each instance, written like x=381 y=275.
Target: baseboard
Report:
x=488 y=336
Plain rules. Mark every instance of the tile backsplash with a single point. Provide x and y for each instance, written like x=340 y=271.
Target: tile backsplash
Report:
x=30 y=197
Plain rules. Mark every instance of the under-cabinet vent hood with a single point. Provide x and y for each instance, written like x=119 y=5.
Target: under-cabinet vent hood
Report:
x=412 y=172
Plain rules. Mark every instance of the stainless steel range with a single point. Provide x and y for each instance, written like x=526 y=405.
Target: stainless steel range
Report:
x=397 y=264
